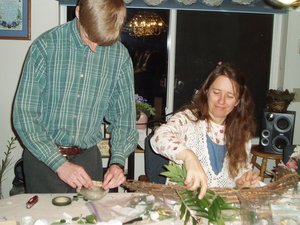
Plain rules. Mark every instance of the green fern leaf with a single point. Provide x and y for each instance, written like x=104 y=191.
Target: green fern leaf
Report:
x=187 y=217
x=192 y=208
x=167 y=174
x=182 y=211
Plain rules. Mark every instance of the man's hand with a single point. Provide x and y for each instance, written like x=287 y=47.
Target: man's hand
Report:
x=196 y=176
x=114 y=177
x=74 y=175
x=248 y=179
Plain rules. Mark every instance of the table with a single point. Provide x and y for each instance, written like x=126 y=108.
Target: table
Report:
x=14 y=209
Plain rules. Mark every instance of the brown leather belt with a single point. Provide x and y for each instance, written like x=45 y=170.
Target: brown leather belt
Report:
x=72 y=150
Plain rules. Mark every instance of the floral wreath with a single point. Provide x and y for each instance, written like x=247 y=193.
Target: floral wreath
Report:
x=292 y=163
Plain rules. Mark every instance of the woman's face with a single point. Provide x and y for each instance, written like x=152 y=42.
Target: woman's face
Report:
x=222 y=98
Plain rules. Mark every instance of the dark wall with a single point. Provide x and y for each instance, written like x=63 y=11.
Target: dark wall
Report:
x=205 y=38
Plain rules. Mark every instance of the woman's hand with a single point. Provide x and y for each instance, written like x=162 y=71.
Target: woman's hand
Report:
x=248 y=179
x=196 y=176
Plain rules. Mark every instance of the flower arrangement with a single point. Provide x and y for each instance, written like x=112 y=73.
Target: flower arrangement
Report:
x=279 y=95
x=143 y=106
x=279 y=100
x=292 y=163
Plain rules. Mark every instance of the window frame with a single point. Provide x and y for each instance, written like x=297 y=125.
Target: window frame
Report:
x=277 y=56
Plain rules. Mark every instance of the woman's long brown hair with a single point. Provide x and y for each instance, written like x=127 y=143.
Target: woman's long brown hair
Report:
x=240 y=124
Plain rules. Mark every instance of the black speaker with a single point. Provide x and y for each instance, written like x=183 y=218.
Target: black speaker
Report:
x=277 y=131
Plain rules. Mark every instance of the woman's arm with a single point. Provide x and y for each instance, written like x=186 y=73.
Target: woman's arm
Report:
x=247 y=177
x=170 y=139
x=196 y=177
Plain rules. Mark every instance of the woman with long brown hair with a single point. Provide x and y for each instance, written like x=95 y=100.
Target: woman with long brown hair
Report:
x=211 y=136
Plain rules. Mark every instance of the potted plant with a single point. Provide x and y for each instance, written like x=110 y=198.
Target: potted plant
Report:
x=143 y=111
x=279 y=100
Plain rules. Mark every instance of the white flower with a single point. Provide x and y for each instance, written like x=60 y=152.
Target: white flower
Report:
x=296 y=153
x=154 y=215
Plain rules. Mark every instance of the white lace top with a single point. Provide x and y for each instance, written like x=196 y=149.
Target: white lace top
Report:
x=181 y=133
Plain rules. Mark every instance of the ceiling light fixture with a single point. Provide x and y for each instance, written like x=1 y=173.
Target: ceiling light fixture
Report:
x=285 y=3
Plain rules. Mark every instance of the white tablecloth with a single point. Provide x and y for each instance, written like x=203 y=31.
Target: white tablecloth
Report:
x=14 y=208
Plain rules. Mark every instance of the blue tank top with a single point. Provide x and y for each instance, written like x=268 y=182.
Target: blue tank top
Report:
x=216 y=154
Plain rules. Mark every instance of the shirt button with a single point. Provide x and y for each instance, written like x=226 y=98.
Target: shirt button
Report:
x=78 y=95
x=81 y=75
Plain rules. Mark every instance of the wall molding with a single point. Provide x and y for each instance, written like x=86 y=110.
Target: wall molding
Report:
x=258 y=6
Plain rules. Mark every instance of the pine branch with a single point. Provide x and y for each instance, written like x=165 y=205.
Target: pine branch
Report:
x=6 y=162
x=175 y=173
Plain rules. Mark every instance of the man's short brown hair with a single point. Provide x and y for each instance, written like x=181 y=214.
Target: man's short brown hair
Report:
x=102 y=20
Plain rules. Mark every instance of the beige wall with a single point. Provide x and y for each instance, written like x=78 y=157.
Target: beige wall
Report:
x=45 y=14
x=292 y=65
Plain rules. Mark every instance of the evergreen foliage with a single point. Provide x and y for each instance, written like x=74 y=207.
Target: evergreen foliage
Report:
x=192 y=208
x=5 y=163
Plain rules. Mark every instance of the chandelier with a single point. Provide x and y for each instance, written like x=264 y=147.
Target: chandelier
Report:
x=145 y=24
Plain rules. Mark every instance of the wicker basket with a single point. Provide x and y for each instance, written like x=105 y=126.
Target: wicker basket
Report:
x=272 y=190
x=278 y=106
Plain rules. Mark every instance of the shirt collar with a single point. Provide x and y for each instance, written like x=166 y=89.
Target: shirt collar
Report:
x=76 y=34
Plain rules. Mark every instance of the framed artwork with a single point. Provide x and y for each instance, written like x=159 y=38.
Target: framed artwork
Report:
x=15 y=19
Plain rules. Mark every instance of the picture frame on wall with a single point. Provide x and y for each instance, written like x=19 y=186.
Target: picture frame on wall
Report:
x=15 y=19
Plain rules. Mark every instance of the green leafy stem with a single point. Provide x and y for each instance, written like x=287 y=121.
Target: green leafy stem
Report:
x=5 y=163
x=211 y=206
x=89 y=219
